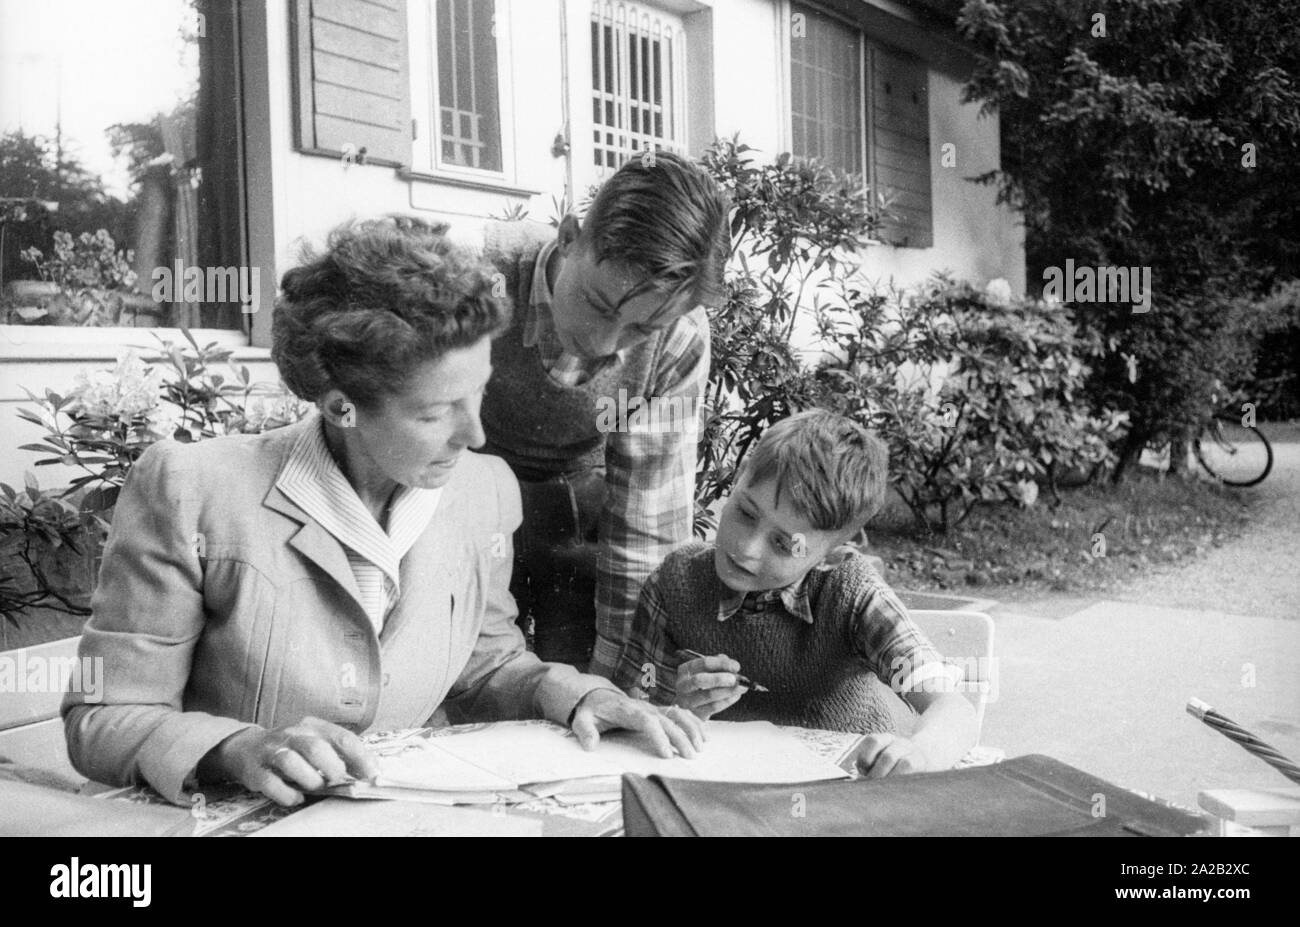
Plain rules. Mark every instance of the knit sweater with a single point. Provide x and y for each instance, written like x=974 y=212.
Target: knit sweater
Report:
x=816 y=677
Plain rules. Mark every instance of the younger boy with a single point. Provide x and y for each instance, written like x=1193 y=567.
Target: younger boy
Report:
x=824 y=638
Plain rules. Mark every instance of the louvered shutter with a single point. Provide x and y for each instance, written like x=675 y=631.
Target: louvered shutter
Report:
x=901 y=145
x=352 y=79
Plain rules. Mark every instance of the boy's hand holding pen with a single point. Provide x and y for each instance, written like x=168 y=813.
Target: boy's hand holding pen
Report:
x=707 y=685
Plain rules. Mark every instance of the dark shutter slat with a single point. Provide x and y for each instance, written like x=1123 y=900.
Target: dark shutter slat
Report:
x=901 y=145
x=901 y=198
x=888 y=159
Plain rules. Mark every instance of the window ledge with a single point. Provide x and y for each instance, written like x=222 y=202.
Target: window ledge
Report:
x=54 y=343
x=470 y=183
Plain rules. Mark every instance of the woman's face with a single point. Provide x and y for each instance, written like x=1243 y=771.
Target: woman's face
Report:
x=416 y=437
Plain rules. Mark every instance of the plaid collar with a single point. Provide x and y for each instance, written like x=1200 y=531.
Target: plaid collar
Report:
x=539 y=332
x=794 y=597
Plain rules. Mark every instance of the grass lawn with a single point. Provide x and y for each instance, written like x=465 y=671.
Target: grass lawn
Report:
x=1148 y=521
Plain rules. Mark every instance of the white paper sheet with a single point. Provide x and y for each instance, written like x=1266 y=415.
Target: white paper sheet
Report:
x=749 y=751
x=508 y=755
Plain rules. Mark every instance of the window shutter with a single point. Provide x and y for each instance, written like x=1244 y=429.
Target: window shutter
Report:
x=901 y=145
x=352 y=79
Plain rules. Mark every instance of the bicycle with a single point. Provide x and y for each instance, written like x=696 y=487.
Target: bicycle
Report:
x=1234 y=453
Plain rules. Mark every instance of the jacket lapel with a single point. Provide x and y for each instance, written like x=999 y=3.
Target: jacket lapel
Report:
x=317 y=545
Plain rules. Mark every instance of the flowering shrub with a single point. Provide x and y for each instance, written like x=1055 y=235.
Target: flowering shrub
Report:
x=102 y=427
x=111 y=416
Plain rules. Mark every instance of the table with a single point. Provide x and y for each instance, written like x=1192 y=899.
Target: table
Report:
x=235 y=812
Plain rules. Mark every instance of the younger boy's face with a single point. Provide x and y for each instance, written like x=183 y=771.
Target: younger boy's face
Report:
x=762 y=545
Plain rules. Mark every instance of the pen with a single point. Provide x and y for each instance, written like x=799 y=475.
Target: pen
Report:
x=741 y=680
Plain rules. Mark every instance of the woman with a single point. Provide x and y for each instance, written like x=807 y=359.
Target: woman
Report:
x=265 y=598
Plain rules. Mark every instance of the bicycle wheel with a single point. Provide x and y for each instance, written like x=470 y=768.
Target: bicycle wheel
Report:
x=1234 y=454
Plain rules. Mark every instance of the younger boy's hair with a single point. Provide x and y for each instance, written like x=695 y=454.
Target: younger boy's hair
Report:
x=664 y=215
x=834 y=470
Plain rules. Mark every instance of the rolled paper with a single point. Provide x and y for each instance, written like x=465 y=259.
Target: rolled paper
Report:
x=1246 y=739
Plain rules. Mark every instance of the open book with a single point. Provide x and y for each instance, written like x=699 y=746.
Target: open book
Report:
x=515 y=761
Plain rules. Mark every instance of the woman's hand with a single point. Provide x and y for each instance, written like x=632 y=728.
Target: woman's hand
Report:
x=306 y=756
x=669 y=729
x=708 y=685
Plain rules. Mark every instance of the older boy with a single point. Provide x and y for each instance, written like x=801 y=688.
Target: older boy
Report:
x=607 y=312
x=823 y=639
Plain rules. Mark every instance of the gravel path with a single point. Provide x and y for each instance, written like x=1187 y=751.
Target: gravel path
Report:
x=1257 y=574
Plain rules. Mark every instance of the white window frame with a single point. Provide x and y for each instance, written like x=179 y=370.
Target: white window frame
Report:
x=583 y=170
x=426 y=150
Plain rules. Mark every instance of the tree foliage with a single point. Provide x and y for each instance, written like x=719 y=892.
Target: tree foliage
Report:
x=1164 y=136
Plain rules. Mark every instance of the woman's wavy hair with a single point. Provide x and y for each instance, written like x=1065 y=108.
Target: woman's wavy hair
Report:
x=386 y=295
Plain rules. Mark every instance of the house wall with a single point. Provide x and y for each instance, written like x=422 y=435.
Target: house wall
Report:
x=973 y=237
x=736 y=60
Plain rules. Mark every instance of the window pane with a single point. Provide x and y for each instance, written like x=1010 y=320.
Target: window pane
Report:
x=468 y=101
x=638 y=113
x=825 y=91
x=120 y=166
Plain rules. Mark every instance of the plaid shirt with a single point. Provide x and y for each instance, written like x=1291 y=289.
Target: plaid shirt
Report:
x=883 y=635
x=649 y=476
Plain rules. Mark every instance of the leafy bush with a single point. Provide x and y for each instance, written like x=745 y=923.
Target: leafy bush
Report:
x=112 y=416
x=803 y=221
x=1007 y=415
x=1140 y=150
x=102 y=427
x=1273 y=383
x=37 y=529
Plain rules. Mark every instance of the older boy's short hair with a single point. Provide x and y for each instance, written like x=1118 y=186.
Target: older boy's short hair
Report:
x=664 y=215
x=834 y=470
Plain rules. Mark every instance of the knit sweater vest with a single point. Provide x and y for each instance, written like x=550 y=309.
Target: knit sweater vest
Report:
x=540 y=427
x=815 y=677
